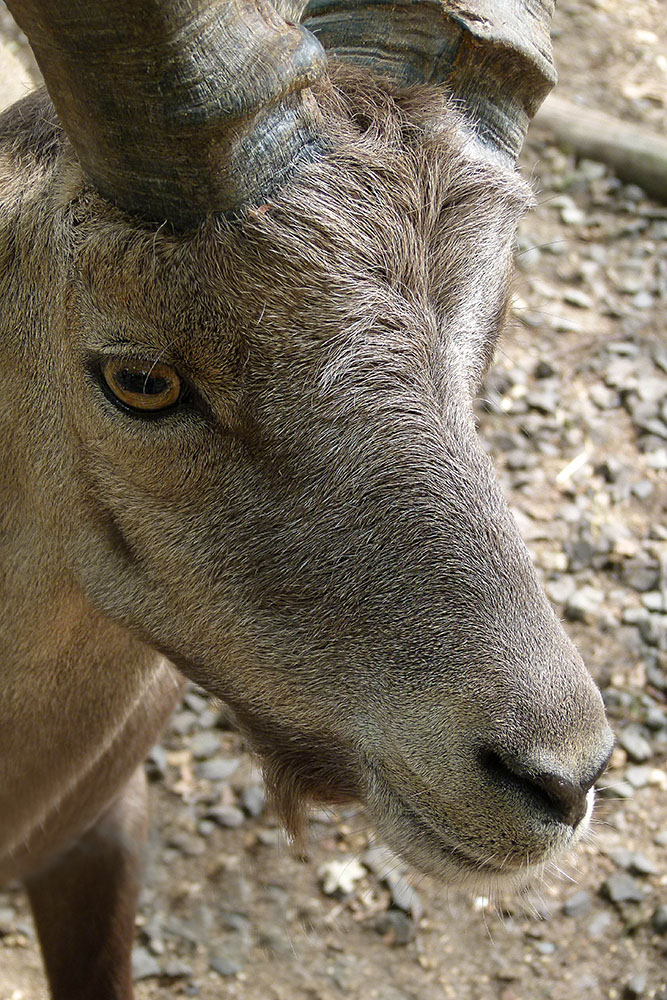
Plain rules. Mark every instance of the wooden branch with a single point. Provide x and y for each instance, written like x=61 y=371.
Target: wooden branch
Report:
x=637 y=155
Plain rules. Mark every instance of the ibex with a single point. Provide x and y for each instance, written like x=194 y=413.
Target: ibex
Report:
x=254 y=260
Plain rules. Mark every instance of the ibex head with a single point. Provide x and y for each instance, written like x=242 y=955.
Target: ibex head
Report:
x=251 y=291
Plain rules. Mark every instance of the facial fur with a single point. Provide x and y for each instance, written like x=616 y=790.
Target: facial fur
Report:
x=315 y=535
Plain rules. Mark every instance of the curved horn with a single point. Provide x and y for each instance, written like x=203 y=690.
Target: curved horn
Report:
x=178 y=108
x=494 y=55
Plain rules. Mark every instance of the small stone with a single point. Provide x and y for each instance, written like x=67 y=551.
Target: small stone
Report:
x=224 y=965
x=654 y=600
x=404 y=897
x=340 y=876
x=599 y=924
x=622 y=888
x=656 y=718
x=219 y=769
x=643 y=489
x=190 y=846
x=175 y=969
x=638 y=776
x=584 y=604
x=156 y=764
x=7 y=918
x=623 y=348
x=544 y=947
x=578 y=904
x=204 y=745
x=543 y=369
x=230 y=817
x=544 y=401
x=603 y=397
x=643 y=300
x=144 y=965
x=620 y=856
x=635 y=745
x=636 y=986
x=195 y=701
x=641 y=576
x=253 y=800
x=396 y=928
x=560 y=591
x=610 y=788
x=659 y=919
x=183 y=722
x=658 y=459
x=641 y=865
x=632 y=861
x=577 y=297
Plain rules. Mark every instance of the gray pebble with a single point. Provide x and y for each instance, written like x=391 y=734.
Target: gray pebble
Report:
x=654 y=600
x=7 y=918
x=656 y=718
x=633 y=861
x=226 y=816
x=643 y=489
x=654 y=631
x=219 y=769
x=599 y=924
x=204 y=745
x=584 y=604
x=253 y=800
x=397 y=927
x=224 y=965
x=191 y=847
x=639 y=777
x=544 y=369
x=613 y=788
x=544 y=401
x=635 y=744
x=195 y=702
x=156 y=764
x=659 y=919
x=560 y=591
x=183 y=722
x=640 y=577
x=173 y=968
x=622 y=888
x=578 y=904
x=643 y=300
x=577 y=297
x=404 y=896
x=144 y=965
x=636 y=986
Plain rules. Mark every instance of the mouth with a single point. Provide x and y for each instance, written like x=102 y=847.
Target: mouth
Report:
x=459 y=858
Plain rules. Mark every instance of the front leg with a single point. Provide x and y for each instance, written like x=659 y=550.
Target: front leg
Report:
x=84 y=903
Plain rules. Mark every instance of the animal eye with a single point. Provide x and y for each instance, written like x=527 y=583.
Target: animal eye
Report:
x=142 y=386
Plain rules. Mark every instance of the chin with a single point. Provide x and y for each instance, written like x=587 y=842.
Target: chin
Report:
x=506 y=864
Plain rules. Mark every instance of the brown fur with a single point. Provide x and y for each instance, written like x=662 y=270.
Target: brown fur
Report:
x=315 y=536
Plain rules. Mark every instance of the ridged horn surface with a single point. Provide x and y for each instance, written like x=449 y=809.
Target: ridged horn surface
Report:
x=179 y=108
x=494 y=56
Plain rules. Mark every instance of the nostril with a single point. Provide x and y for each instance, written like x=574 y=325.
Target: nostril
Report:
x=568 y=799
x=564 y=796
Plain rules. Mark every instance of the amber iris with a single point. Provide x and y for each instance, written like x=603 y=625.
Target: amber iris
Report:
x=142 y=386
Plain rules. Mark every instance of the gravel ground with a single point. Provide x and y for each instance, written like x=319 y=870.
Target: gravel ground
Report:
x=575 y=415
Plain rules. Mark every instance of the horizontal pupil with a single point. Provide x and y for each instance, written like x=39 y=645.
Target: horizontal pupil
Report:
x=141 y=383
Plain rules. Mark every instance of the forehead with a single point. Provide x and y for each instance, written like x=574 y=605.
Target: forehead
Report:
x=379 y=238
